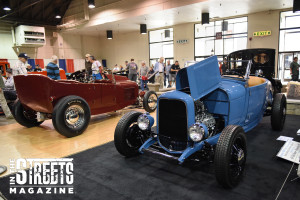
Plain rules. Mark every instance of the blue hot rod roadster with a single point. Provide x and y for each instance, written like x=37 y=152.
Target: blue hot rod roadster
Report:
x=207 y=116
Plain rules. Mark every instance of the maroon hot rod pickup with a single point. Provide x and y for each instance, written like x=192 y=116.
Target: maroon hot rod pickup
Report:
x=70 y=103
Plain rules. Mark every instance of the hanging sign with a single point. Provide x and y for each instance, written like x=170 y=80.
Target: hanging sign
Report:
x=218 y=35
x=262 y=33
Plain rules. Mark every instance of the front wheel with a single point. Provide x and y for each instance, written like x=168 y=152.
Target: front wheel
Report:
x=25 y=117
x=230 y=156
x=150 y=101
x=71 y=116
x=278 y=112
x=128 y=136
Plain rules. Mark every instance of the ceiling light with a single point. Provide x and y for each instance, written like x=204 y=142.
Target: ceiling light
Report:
x=6 y=8
x=57 y=13
x=143 y=28
x=91 y=3
x=6 y=5
x=109 y=34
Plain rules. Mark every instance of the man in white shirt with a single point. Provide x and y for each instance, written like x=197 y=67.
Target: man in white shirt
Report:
x=97 y=68
x=159 y=77
x=20 y=66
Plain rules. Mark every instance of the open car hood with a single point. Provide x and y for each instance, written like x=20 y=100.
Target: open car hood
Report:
x=200 y=78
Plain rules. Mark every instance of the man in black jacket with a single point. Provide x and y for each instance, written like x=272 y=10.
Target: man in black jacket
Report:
x=173 y=72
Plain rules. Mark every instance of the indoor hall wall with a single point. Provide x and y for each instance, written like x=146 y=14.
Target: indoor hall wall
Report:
x=184 y=52
x=65 y=46
x=124 y=46
x=134 y=45
x=264 y=21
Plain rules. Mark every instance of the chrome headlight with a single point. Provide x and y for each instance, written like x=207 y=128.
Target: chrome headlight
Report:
x=196 y=132
x=259 y=72
x=143 y=122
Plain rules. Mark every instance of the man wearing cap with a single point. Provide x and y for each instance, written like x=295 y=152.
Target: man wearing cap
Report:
x=53 y=69
x=88 y=64
x=20 y=66
x=3 y=102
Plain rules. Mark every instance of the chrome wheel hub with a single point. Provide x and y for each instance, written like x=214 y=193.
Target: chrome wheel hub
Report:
x=74 y=116
x=152 y=101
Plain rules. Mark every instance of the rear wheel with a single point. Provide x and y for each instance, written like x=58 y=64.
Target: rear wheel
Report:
x=150 y=101
x=128 y=136
x=230 y=156
x=71 y=116
x=25 y=117
x=278 y=112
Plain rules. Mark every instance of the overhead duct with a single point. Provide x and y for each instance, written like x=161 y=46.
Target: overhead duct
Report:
x=73 y=24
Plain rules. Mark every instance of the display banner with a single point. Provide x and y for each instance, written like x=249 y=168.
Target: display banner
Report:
x=41 y=176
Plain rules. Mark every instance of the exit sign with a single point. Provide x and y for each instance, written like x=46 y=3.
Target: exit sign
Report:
x=182 y=41
x=262 y=33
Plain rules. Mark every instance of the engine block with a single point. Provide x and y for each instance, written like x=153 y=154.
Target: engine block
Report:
x=204 y=117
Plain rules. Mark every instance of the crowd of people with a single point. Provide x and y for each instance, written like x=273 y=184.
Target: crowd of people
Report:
x=165 y=72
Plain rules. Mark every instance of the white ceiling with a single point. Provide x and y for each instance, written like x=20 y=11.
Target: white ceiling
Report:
x=184 y=14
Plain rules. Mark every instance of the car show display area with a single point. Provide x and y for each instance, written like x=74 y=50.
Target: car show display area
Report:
x=102 y=173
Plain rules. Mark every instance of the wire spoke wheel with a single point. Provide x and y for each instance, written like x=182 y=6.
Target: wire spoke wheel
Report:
x=230 y=156
x=128 y=137
x=134 y=136
x=237 y=161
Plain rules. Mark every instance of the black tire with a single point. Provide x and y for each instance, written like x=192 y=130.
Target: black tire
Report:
x=278 y=112
x=276 y=90
x=230 y=156
x=66 y=110
x=128 y=137
x=150 y=101
x=25 y=117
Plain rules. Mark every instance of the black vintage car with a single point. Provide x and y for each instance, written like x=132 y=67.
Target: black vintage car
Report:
x=263 y=64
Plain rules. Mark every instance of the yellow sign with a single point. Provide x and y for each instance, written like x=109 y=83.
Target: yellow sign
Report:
x=262 y=33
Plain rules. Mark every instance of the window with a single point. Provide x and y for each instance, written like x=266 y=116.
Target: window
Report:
x=161 y=44
x=234 y=34
x=288 y=49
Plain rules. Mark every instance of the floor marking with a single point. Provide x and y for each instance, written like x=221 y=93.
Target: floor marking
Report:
x=284 y=182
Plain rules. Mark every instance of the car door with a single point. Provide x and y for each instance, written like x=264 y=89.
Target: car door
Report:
x=256 y=101
x=108 y=94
